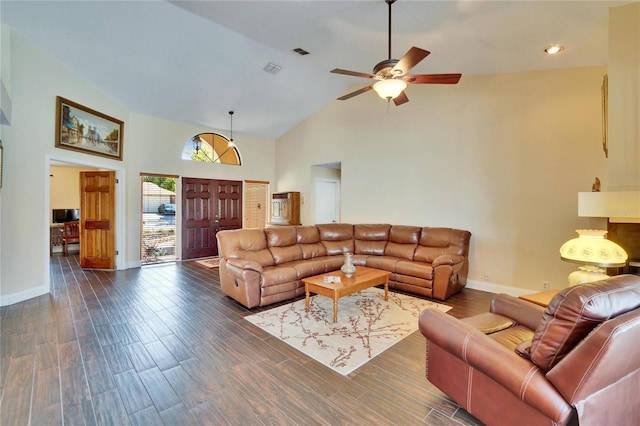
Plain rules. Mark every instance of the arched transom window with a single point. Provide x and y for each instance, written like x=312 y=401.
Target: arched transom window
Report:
x=211 y=148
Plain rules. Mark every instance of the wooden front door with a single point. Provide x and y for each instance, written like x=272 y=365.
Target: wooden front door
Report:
x=208 y=206
x=228 y=199
x=97 y=219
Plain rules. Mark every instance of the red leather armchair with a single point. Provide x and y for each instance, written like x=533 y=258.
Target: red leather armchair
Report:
x=575 y=362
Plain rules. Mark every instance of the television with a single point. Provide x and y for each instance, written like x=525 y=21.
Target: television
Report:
x=65 y=215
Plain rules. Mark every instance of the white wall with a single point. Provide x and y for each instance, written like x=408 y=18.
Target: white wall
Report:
x=150 y=145
x=503 y=156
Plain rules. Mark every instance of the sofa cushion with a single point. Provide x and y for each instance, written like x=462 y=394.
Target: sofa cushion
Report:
x=371 y=239
x=386 y=263
x=401 y=251
x=281 y=236
x=371 y=232
x=246 y=244
x=488 y=322
x=276 y=275
x=415 y=269
x=403 y=241
x=308 y=238
x=435 y=242
x=309 y=267
x=511 y=338
x=286 y=254
x=337 y=238
x=575 y=311
x=282 y=242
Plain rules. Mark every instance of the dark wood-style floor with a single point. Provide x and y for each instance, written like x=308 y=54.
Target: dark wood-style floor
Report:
x=162 y=344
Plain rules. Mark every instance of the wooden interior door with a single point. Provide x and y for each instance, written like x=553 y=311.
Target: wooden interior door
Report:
x=97 y=219
x=327 y=201
x=207 y=206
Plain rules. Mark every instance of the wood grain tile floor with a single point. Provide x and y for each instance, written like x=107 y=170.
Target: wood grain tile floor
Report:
x=163 y=345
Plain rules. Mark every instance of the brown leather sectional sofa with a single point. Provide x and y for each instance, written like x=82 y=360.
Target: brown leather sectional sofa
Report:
x=575 y=362
x=259 y=267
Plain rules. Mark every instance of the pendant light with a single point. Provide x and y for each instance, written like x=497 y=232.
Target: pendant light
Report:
x=231 y=144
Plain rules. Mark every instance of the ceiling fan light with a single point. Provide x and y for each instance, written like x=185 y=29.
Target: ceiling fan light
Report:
x=389 y=88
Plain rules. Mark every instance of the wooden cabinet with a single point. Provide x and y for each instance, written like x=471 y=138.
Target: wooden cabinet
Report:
x=285 y=208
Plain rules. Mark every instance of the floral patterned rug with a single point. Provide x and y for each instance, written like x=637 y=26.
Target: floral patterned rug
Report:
x=367 y=325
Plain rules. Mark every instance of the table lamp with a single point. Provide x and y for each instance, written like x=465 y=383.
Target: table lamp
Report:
x=595 y=252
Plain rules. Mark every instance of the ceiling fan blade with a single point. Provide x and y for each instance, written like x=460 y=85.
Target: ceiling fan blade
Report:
x=409 y=60
x=352 y=73
x=432 y=78
x=356 y=93
x=401 y=99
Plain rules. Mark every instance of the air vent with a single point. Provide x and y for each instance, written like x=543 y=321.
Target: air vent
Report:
x=300 y=51
x=272 y=68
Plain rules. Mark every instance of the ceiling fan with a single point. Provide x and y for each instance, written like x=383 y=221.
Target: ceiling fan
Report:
x=392 y=74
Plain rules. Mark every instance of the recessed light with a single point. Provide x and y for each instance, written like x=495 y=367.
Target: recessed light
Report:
x=552 y=50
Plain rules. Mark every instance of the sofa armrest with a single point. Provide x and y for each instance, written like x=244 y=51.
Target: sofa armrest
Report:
x=244 y=264
x=449 y=275
x=516 y=374
x=523 y=312
x=448 y=259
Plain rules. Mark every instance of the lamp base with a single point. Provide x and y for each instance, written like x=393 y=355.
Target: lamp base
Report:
x=587 y=274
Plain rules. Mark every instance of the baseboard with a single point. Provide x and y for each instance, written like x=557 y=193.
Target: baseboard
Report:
x=133 y=264
x=21 y=296
x=497 y=288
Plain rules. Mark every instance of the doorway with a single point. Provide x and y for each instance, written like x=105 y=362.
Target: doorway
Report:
x=55 y=190
x=326 y=180
x=327 y=202
x=158 y=219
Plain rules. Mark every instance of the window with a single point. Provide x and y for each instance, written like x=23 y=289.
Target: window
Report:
x=211 y=148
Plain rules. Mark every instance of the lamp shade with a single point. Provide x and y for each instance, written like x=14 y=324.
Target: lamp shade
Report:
x=592 y=248
x=389 y=88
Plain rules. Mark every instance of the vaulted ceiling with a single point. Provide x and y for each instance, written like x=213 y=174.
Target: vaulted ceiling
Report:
x=193 y=61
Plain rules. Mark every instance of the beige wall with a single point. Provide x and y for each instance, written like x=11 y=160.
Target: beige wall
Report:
x=624 y=98
x=65 y=187
x=503 y=156
x=150 y=146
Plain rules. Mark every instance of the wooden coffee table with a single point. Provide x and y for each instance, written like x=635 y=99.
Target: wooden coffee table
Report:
x=361 y=280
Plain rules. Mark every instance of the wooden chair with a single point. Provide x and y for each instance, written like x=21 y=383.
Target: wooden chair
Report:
x=70 y=235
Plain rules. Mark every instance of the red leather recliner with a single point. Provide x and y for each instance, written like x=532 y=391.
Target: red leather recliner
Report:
x=575 y=362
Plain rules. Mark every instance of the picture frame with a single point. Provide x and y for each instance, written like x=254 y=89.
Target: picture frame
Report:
x=1 y=162
x=605 y=115
x=79 y=128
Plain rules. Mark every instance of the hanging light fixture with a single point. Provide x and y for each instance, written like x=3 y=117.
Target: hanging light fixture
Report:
x=389 y=88
x=230 y=143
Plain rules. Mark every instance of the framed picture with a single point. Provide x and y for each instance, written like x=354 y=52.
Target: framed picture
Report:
x=83 y=129
x=1 y=162
x=605 y=115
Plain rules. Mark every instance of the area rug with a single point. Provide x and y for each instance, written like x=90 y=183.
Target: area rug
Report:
x=213 y=262
x=367 y=325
